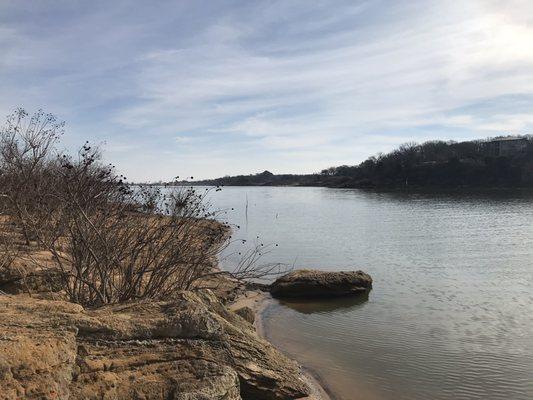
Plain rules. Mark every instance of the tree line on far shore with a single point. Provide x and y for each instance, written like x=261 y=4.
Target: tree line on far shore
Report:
x=446 y=164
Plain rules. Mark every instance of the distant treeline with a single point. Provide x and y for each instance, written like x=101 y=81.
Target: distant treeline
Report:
x=500 y=162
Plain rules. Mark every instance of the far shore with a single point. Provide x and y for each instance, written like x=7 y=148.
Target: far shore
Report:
x=376 y=189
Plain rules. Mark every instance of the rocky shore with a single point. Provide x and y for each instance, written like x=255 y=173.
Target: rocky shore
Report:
x=191 y=347
x=255 y=302
x=200 y=345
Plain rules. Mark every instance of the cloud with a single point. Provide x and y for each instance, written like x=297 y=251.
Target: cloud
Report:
x=239 y=87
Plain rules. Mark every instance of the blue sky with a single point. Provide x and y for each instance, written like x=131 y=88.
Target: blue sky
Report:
x=209 y=88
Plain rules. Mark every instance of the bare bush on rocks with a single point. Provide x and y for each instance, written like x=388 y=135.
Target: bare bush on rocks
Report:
x=27 y=145
x=112 y=241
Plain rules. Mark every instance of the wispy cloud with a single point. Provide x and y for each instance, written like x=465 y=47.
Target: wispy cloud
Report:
x=204 y=89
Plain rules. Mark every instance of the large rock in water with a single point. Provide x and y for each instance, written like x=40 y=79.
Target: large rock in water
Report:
x=188 y=348
x=313 y=283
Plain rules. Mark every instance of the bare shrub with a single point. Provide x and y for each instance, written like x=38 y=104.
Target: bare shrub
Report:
x=250 y=268
x=112 y=242
x=8 y=246
x=27 y=146
x=9 y=251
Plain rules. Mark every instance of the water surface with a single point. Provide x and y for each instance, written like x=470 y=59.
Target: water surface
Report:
x=450 y=315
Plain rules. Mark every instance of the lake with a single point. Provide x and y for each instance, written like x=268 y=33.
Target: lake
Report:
x=451 y=312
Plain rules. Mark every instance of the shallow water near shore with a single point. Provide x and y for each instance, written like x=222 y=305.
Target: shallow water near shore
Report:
x=451 y=312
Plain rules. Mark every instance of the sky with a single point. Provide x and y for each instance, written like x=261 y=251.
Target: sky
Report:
x=213 y=88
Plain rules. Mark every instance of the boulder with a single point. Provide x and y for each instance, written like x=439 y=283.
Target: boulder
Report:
x=313 y=283
x=188 y=348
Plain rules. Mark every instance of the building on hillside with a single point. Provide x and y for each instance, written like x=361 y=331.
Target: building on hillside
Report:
x=506 y=146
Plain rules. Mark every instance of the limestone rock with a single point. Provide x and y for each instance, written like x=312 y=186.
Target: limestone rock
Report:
x=37 y=350
x=157 y=379
x=23 y=278
x=188 y=348
x=313 y=283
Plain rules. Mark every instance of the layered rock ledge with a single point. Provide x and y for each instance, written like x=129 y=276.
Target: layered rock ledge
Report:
x=313 y=283
x=188 y=348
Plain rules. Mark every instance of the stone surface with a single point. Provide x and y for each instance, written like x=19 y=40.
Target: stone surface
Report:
x=24 y=276
x=313 y=283
x=189 y=348
x=246 y=313
x=37 y=348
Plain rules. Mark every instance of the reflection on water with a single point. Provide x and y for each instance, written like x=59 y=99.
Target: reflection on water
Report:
x=450 y=315
x=325 y=305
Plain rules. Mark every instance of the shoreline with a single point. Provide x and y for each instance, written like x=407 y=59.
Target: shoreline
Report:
x=376 y=188
x=259 y=302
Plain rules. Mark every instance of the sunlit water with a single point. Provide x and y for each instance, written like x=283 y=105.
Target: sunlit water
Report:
x=451 y=312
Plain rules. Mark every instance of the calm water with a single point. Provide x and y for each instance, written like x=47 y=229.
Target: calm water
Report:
x=451 y=312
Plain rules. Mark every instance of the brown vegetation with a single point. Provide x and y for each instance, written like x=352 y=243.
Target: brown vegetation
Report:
x=110 y=241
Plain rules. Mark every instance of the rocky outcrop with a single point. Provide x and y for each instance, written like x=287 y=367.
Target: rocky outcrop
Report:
x=313 y=283
x=189 y=348
x=37 y=348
